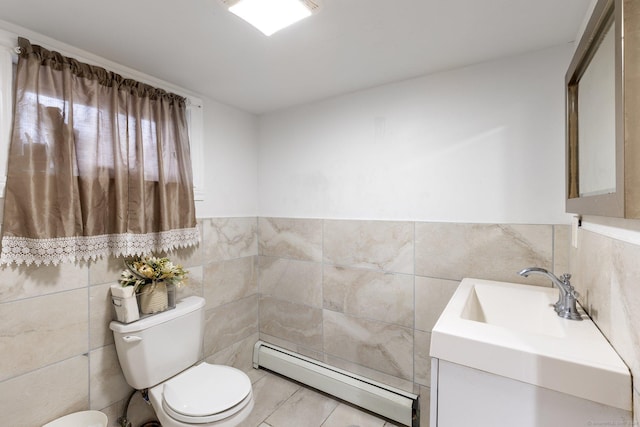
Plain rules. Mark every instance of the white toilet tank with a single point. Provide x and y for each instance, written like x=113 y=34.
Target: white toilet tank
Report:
x=158 y=347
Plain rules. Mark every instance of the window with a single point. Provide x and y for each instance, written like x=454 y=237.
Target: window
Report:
x=8 y=59
x=99 y=164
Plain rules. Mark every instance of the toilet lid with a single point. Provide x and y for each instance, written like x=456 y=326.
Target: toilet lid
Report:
x=206 y=390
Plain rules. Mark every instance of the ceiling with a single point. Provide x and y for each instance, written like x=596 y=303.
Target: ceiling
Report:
x=347 y=46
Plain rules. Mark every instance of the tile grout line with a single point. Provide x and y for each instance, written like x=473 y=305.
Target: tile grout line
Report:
x=324 y=353
x=413 y=358
x=89 y=335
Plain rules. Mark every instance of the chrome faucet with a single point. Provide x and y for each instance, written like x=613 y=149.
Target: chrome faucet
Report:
x=566 y=305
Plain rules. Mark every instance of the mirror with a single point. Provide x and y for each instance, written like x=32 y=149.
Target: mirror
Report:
x=595 y=128
x=596 y=97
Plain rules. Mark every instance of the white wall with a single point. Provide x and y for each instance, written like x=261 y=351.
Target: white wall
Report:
x=483 y=143
x=478 y=144
x=230 y=162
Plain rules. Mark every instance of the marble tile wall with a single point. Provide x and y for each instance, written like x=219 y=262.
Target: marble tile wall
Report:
x=360 y=295
x=58 y=354
x=364 y=295
x=606 y=272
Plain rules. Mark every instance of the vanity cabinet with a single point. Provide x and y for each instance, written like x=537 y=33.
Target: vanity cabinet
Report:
x=463 y=396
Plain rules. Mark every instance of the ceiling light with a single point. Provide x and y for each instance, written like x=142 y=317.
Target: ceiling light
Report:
x=270 y=16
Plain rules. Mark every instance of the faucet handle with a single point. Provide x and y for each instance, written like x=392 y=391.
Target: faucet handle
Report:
x=566 y=277
x=573 y=293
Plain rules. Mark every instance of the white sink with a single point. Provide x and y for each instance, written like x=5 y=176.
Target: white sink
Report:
x=512 y=330
x=81 y=419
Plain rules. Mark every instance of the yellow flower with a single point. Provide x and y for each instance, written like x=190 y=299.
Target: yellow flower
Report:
x=146 y=271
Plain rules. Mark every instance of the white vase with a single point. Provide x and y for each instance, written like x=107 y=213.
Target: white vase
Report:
x=154 y=297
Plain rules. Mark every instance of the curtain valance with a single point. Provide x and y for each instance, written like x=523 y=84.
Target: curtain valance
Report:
x=98 y=164
x=58 y=62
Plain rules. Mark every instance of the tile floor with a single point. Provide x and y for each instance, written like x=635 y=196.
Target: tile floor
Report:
x=282 y=403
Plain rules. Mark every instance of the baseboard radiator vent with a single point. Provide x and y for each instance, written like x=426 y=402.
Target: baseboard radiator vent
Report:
x=391 y=403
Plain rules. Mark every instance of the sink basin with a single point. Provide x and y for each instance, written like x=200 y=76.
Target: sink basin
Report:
x=524 y=309
x=81 y=419
x=512 y=330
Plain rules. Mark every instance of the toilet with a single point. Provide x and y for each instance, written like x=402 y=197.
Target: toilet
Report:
x=160 y=352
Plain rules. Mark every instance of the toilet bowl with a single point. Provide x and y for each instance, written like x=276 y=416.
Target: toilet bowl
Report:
x=204 y=395
x=159 y=353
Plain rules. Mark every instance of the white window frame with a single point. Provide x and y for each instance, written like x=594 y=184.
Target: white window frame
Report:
x=195 y=117
x=8 y=56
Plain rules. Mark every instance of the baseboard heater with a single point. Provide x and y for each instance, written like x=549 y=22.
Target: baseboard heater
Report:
x=391 y=403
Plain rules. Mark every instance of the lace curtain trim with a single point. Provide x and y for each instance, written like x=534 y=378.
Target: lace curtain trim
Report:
x=23 y=250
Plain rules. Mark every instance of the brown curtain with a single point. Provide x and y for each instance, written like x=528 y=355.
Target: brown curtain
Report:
x=98 y=165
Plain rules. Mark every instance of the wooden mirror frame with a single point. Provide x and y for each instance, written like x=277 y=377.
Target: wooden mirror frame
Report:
x=625 y=200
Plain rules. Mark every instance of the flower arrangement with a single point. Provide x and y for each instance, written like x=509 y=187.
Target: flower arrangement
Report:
x=146 y=270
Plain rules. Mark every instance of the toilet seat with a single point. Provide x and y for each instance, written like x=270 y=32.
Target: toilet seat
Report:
x=206 y=393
